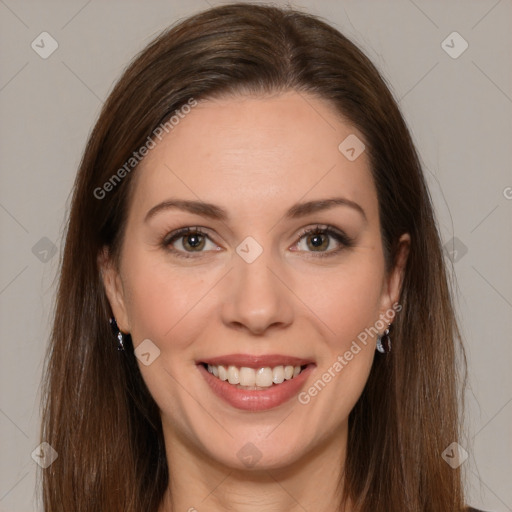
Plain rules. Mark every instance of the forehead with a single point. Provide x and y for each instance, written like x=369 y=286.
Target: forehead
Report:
x=254 y=153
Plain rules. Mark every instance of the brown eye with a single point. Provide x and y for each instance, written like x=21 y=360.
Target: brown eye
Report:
x=195 y=241
x=320 y=239
x=187 y=240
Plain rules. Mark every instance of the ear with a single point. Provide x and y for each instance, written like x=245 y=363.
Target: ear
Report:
x=114 y=289
x=393 y=284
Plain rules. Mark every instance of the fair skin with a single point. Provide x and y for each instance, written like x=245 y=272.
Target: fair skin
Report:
x=255 y=157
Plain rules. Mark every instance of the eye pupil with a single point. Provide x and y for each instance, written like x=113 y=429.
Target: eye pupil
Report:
x=316 y=240
x=194 y=241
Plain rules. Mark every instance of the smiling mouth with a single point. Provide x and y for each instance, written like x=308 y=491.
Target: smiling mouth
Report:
x=254 y=379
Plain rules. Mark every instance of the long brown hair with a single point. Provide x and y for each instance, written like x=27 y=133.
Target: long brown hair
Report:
x=97 y=412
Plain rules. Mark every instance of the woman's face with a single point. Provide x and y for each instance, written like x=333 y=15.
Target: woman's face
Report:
x=252 y=290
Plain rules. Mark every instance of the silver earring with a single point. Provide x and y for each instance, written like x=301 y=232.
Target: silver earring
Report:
x=384 y=342
x=117 y=333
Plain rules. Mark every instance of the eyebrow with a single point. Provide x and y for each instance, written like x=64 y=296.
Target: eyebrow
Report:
x=216 y=212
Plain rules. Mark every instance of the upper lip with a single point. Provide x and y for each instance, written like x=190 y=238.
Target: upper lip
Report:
x=261 y=361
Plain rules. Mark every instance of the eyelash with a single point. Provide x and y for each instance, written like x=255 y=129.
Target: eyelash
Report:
x=342 y=238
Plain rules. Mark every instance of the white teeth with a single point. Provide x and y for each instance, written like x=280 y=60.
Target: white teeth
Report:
x=233 y=375
x=214 y=370
x=223 y=374
x=249 y=377
x=278 y=375
x=264 y=377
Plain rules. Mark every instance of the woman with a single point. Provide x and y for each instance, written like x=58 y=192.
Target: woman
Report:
x=251 y=219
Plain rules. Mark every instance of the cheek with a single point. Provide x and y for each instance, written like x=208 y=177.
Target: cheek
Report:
x=346 y=299
x=164 y=305
x=157 y=297
x=348 y=306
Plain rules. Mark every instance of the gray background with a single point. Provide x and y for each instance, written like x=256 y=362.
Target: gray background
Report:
x=459 y=111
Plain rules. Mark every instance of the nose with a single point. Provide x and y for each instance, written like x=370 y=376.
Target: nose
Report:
x=256 y=299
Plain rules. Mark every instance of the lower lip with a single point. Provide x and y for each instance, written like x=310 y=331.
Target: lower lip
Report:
x=256 y=400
